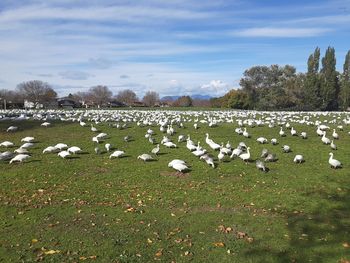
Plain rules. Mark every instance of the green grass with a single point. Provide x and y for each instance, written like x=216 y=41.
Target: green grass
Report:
x=78 y=208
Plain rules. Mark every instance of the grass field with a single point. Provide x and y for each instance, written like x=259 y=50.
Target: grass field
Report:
x=123 y=210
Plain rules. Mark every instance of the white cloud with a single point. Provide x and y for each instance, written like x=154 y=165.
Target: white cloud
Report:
x=281 y=32
x=214 y=88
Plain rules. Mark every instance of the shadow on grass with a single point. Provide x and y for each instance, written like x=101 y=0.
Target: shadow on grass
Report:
x=71 y=157
x=315 y=237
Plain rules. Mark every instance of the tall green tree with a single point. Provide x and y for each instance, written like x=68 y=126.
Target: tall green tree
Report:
x=344 y=97
x=311 y=98
x=265 y=87
x=329 y=81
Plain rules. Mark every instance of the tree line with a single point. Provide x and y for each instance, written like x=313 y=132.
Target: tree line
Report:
x=321 y=88
x=274 y=87
x=41 y=93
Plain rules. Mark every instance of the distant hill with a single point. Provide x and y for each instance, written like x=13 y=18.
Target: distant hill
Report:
x=201 y=97
x=195 y=97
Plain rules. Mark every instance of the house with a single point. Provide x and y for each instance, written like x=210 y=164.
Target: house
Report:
x=116 y=104
x=137 y=104
x=68 y=103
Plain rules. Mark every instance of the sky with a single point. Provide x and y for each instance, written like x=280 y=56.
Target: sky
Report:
x=174 y=47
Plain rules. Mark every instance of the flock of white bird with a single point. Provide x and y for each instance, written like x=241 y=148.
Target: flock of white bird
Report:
x=168 y=121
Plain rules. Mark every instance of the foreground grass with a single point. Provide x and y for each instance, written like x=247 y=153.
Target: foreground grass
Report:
x=93 y=208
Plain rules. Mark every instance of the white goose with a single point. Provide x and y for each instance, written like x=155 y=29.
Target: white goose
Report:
x=261 y=140
x=108 y=147
x=155 y=150
x=20 y=158
x=27 y=145
x=63 y=154
x=61 y=146
x=117 y=154
x=45 y=124
x=74 y=149
x=333 y=146
x=236 y=152
x=298 y=158
x=170 y=164
x=333 y=162
x=335 y=135
x=214 y=145
x=199 y=151
x=50 y=149
x=12 y=129
x=282 y=133
x=21 y=150
x=208 y=160
x=170 y=145
x=303 y=135
x=7 y=144
x=324 y=139
x=293 y=132
x=245 y=156
x=145 y=157
x=180 y=167
x=245 y=133
x=28 y=139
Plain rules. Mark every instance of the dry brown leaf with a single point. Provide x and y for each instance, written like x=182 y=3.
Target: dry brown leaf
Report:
x=159 y=253
x=51 y=252
x=219 y=244
x=346 y=245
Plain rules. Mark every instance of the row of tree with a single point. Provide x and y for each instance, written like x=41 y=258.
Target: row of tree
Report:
x=39 y=92
x=281 y=88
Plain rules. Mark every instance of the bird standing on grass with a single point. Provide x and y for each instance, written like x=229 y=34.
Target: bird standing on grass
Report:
x=155 y=150
x=333 y=162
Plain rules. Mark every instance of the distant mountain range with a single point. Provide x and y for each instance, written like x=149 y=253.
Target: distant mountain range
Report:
x=195 y=97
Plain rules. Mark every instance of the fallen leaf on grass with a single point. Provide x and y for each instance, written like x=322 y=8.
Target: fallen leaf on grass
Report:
x=346 y=245
x=219 y=244
x=159 y=253
x=130 y=209
x=89 y=257
x=34 y=240
x=51 y=252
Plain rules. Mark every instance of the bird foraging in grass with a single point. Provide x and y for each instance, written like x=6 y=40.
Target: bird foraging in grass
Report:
x=180 y=167
x=145 y=157
x=116 y=154
x=261 y=166
x=176 y=161
x=298 y=158
x=286 y=148
x=63 y=154
x=20 y=158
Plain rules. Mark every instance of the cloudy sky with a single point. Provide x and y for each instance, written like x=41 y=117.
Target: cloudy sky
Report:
x=173 y=47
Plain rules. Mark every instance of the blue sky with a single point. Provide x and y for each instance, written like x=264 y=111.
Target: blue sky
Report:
x=173 y=47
